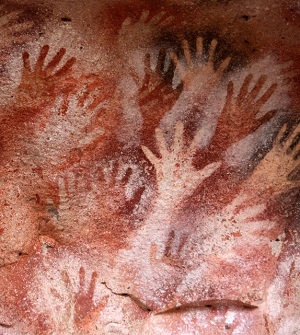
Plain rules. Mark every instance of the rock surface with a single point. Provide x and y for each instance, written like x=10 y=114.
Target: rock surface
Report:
x=149 y=167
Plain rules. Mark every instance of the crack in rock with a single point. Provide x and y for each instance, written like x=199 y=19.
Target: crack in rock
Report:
x=130 y=296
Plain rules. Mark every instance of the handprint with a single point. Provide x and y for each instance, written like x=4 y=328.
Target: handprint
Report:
x=84 y=303
x=71 y=128
x=80 y=307
x=231 y=126
x=194 y=71
x=172 y=251
x=71 y=208
x=45 y=81
x=246 y=102
x=275 y=171
x=138 y=34
x=12 y=31
x=117 y=179
x=156 y=95
x=176 y=176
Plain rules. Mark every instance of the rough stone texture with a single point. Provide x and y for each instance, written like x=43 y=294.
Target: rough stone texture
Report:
x=149 y=167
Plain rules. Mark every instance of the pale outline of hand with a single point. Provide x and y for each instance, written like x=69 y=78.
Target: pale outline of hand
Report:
x=247 y=101
x=9 y=29
x=139 y=33
x=273 y=171
x=71 y=211
x=79 y=116
x=70 y=188
x=231 y=126
x=176 y=176
x=172 y=252
x=193 y=72
x=116 y=177
x=42 y=79
x=75 y=127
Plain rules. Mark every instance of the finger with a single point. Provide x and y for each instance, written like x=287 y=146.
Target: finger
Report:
x=41 y=60
x=151 y=157
x=187 y=52
x=280 y=135
x=167 y=21
x=62 y=187
x=127 y=176
x=161 y=143
x=81 y=277
x=8 y=18
x=257 y=88
x=134 y=75
x=251 y=212
x=178 y=142
x=238 y=201
x=153 y=253
x=199 y=48
x=55 y=61
x=97 y=100
x=197 y=140
x=178 y=64
x=245 y=87
x=66 y=68
x=157 y=18
x=291 y=137
x=161 y=61
x=21 y=27
x=26 y=61
x=208 y=171
x=147 y=63
x=174 y=58
x=182 y=242
x=169 y=243
x=72 y=184
x=267 y=117
x=265 y=97
x=116 y=168
x=224 y=65
x=66 y=279
x=230 y=91
x=21 y=39
x=92 y=286
x=144 y=16
x=296 y=150
x=136 y=198
x=212 y=50
x=127 y=22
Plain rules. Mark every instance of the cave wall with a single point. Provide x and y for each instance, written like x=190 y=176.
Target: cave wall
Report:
x=149 y=167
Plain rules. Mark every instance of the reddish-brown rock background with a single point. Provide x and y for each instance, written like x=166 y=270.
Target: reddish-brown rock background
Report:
x=149 y=167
